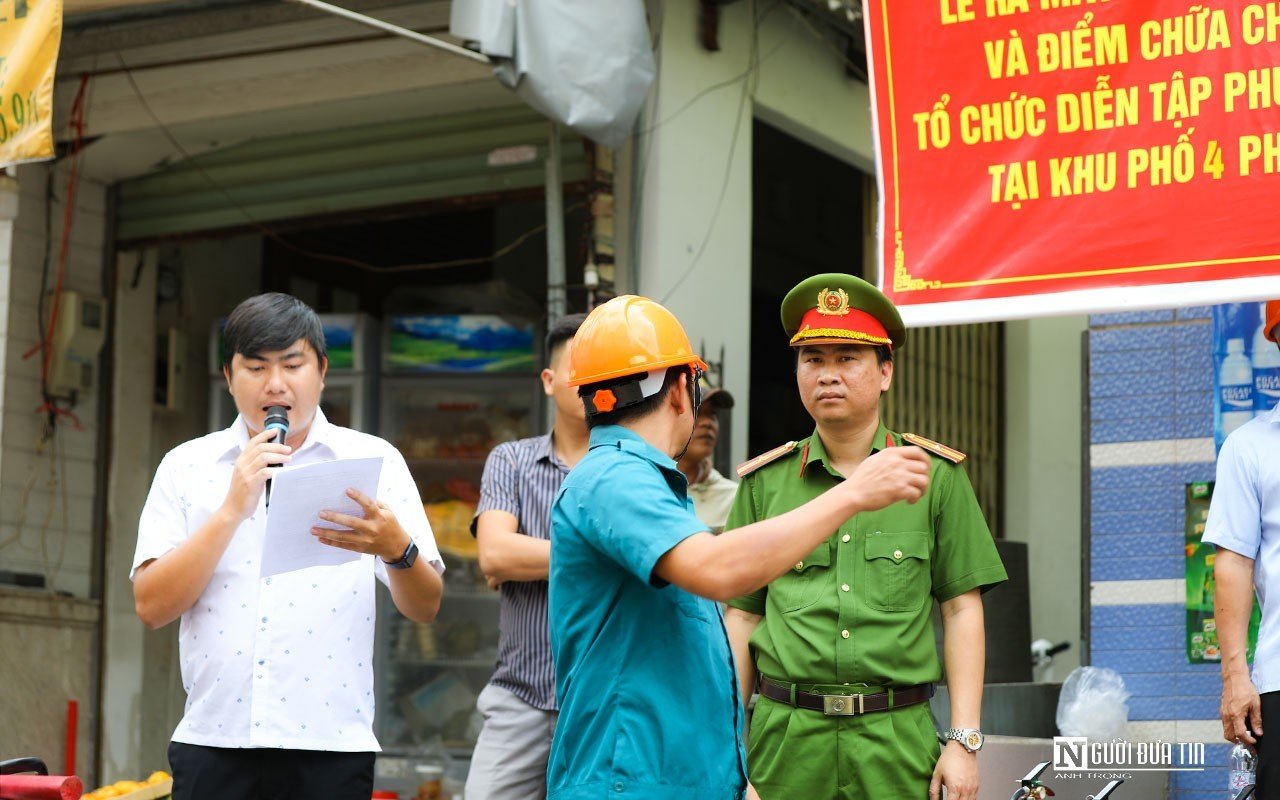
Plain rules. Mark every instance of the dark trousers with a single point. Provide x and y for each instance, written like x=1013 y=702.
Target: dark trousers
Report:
x=1269 y=748
x=220 y=773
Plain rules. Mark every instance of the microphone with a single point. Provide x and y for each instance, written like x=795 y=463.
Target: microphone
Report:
x=277 y=420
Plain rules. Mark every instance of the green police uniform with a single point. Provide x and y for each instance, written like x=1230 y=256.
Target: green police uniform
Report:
x=854 y=617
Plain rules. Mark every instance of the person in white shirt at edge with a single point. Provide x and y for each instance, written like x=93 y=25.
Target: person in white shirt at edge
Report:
x=711 y=492
x=1244 y=526
x=277 y=670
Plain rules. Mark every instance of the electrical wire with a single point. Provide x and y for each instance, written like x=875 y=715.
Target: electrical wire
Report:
x=303 y=251
x=753 y=61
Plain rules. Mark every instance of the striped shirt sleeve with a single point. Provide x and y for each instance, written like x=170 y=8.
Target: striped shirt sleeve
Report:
x=498 y=485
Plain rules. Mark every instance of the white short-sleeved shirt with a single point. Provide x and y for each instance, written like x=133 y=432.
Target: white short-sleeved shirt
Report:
x=284 y=661
x=1244 y=517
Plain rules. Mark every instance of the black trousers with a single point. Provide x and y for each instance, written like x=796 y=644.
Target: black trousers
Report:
x=219 y=773
x=1269 y=749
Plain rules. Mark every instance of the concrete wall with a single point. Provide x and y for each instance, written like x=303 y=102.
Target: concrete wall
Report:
x=47 y=485
x=47 y=489
x=1042 y=473
x=1151 y=394
x=690 y=196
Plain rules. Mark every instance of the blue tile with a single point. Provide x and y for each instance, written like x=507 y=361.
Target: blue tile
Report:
x=1193 y=380
x=1200 y=685
x=1139 y=637
x=1198 y=426
x=1135 y=546
x=1194 y=403
x=1113 y=361
x=1150 y=521
x=1140 y=662
x=1167 y=495
x=1130 y=318
x=1124 y=384
x=1145 y=338
x=1147 y=568
x=1197 y=472
x=1193 y=334
x=1193 y=358
x=1103 y=409
x=1157 y=708
x=1157 y=684
x=1137 y=429
x=1105 y=478
x=1192 y=784
x=1128 y=616
x=1195 y=312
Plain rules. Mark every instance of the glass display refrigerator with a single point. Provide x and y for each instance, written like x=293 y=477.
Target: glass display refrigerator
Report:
x=452 y=387
x=348 y=386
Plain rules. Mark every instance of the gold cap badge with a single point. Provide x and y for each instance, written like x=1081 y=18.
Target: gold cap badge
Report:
x=833 y=304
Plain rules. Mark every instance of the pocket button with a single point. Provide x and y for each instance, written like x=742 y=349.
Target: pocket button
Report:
x=897 y=555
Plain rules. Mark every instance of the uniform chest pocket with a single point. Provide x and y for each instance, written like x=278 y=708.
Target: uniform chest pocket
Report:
x=897 y=570
x=803 y=584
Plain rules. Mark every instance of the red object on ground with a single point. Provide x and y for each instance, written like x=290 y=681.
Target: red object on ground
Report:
x=40 y=787
x=385 y=795
x=73 y=715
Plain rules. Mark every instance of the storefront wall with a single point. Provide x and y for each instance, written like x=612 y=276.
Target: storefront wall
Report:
x=1150 y=434
x=47 y=488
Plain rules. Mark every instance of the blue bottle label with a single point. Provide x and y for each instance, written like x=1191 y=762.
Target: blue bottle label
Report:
x=1237 y=398
x=1266 y=388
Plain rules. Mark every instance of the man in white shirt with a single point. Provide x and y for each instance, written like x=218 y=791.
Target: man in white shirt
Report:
x=278 y=670
x=711 y=492
x=1244 y=524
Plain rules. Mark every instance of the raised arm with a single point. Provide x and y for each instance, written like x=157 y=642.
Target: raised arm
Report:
x=741 y=560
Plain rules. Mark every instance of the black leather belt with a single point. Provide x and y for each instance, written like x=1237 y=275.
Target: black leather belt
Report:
x=845 y=705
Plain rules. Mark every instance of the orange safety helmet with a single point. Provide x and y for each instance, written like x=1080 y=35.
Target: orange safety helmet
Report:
x=627 y=337
x=1273 y=321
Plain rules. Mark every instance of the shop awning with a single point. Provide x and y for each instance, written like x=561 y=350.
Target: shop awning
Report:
x=366 y=167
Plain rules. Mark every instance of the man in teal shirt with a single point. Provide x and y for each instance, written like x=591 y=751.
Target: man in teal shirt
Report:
x=649 y=703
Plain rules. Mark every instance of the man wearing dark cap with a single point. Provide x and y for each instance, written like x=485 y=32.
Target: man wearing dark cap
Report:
x=712 y=493
x=841 y=648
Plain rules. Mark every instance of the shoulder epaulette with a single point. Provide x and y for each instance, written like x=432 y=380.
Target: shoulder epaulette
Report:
x=748 y=467
x=941 y=450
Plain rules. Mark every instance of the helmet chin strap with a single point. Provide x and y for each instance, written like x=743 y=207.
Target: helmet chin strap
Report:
x=693 y=428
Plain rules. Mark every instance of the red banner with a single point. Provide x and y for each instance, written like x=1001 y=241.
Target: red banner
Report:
x=1070 y=156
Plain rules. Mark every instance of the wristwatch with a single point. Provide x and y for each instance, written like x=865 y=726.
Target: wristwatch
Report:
x=406 y=560
x=970 y=738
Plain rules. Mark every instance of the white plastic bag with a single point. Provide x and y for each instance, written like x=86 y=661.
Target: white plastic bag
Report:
x=1093 y=703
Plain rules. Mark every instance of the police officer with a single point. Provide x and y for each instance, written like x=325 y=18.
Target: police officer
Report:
x=649 y=703
x=841 y=647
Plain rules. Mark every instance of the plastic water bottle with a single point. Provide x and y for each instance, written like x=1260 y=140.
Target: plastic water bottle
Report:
x=1243 y=770
x=1266 y=372
x=1235 y=382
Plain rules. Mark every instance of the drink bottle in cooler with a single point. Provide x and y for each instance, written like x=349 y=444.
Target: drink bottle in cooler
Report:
x=1235 y=387
x=1266 y=372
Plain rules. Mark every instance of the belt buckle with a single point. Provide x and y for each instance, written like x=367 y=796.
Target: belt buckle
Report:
x=839 y=705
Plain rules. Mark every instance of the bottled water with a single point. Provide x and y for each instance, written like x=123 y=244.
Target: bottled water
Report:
x=1235 y=386
x=1242 y=765
x=1266 y=372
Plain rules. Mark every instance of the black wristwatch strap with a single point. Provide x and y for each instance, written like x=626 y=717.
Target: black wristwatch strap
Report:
x=406 y=559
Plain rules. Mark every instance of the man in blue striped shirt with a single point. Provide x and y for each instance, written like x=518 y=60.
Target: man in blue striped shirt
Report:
x=513 y=531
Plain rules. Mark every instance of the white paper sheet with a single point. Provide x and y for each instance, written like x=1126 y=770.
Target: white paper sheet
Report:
x=298 y=495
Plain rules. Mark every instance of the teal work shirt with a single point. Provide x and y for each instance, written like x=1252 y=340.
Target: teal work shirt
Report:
x=649 y=704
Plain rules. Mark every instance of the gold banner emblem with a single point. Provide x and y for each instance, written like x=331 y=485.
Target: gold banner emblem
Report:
x=833 y=304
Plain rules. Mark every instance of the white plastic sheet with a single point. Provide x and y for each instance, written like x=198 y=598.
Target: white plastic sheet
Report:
x=583 y=63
